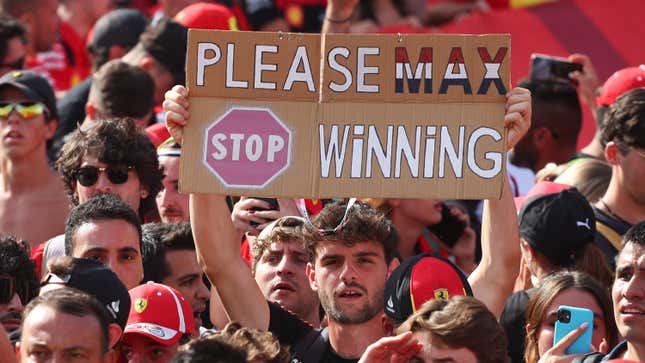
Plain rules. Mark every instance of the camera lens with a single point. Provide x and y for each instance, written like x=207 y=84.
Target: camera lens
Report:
x=564 y=316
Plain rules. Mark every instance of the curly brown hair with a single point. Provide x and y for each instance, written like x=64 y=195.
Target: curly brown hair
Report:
x=361 y=223
x=112 y=141
x=284 y=230
x=259 y=345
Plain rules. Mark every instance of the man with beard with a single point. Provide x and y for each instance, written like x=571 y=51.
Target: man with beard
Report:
x=169 y=258
x=350 y=248
x=18 y=282
x=555 y=125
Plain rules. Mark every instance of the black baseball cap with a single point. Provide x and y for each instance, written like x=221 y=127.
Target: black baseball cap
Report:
x=34 y=86
x=99 y=281
x=166 y=42
x=118 y=27
x=419 y=279
x=558 y=225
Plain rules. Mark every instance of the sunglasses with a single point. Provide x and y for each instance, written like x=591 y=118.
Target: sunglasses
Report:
x=25 y=109
x=89 y=175
x=7 y=289
x=330 y=231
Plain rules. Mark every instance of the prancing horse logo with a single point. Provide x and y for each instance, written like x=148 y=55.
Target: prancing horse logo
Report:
x=140 y=305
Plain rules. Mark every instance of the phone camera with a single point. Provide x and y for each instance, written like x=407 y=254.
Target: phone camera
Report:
x=564 y=316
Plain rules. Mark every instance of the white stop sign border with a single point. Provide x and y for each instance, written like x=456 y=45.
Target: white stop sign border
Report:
x=246 y=186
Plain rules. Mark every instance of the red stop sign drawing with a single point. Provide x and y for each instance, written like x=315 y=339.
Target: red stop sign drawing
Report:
x=247 y=147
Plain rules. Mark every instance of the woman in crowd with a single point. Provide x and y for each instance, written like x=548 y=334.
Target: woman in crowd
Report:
x=573 y=289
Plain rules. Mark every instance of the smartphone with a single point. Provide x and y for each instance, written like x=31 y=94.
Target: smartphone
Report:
x=570 y=318
x=450 y=228
x=550 y=68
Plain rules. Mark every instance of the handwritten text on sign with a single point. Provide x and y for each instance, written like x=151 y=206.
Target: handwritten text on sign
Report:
x=368 y=115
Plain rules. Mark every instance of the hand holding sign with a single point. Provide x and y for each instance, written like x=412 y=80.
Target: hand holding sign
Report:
x=517 y=118
x=176 y=107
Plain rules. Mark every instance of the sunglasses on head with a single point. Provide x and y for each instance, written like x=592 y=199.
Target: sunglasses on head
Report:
x=7 y=289
x=89 y=175
x=26 y=109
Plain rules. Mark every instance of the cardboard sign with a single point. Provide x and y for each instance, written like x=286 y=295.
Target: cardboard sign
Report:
x=307 y=115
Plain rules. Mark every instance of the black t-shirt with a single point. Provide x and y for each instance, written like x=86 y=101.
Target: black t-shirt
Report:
x=513 y=320
x=71 y=111
x=301 y=337
x=609 y=232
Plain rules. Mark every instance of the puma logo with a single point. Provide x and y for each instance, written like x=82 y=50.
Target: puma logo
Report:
x=583 y=224
x=113 y=308
x=390 y=305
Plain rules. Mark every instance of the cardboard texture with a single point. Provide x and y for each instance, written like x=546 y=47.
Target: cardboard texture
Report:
x=413 y=116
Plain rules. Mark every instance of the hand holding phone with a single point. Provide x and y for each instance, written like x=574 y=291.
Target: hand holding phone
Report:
x=571 y=318
x=550 y=68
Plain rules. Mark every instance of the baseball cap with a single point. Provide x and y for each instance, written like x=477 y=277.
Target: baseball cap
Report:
x=540 y=188
x=166 y=42
x=99 y=281
x=620 y=82
x=419 y=279
x=118 y=27
x=160 y=313
x=34 y=86
x=558 y=225
x=203 y=15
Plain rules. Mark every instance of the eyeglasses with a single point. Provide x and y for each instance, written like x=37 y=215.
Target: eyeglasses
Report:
x=89 y=175
x=7 y=289
x=15 y=65
x=25 y=109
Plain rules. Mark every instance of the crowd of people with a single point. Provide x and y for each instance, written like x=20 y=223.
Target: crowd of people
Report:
x=102 y=259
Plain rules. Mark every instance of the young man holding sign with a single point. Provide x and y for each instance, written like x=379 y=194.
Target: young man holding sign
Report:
x=348 y=265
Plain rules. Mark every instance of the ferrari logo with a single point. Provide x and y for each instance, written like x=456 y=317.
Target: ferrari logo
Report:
x=441 y=294
x=140 y=305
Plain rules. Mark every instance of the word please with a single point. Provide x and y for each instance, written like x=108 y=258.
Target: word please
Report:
x=392 y=149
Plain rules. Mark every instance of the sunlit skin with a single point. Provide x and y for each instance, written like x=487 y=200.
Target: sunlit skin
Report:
x=114 y=243
x=628 y=295
x=53 y=336
x=350 y=280
x=434 y=351
x=11 y=313
x=571 y=297
x=137 y=348
x=281 y=275
x=186 y=277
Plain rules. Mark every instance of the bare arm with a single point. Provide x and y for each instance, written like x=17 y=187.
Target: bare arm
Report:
x=492 y=281
x=218 y=252
x=338 y=16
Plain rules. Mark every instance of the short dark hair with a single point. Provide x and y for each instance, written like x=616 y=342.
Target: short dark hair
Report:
x=461 y=322
x=362 y=224
x=15 y=262
x=556 y=106
x=158 y=238
x=10 y=28
x=99 y=208
x=122 y=90
x=625 y=121
x=635 y=235
x=113 y=142
x=284 y=230
x=73 y=302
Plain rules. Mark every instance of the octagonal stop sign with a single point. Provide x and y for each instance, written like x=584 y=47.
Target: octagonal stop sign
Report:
x=247 y=147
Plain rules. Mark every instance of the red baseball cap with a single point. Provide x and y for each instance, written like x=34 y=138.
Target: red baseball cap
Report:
x=540 y=188
x=619 y=83
x=207 y=16
x=160 y=313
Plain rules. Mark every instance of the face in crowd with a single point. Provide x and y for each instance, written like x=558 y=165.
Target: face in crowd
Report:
x=172 y=205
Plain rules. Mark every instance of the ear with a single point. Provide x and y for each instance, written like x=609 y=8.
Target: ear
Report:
x=114 y=334
x=311 y=274
x=541 y=136
x=116 y=51
x=51 y=128
x=146 y=63
x=612 y=153
x=90 y=110
x=527 y=328
x=144 y=191
x=387 y=324
x=393 y=265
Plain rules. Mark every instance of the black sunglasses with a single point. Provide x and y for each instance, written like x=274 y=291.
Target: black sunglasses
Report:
x=89 y=175
x=7 y=289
